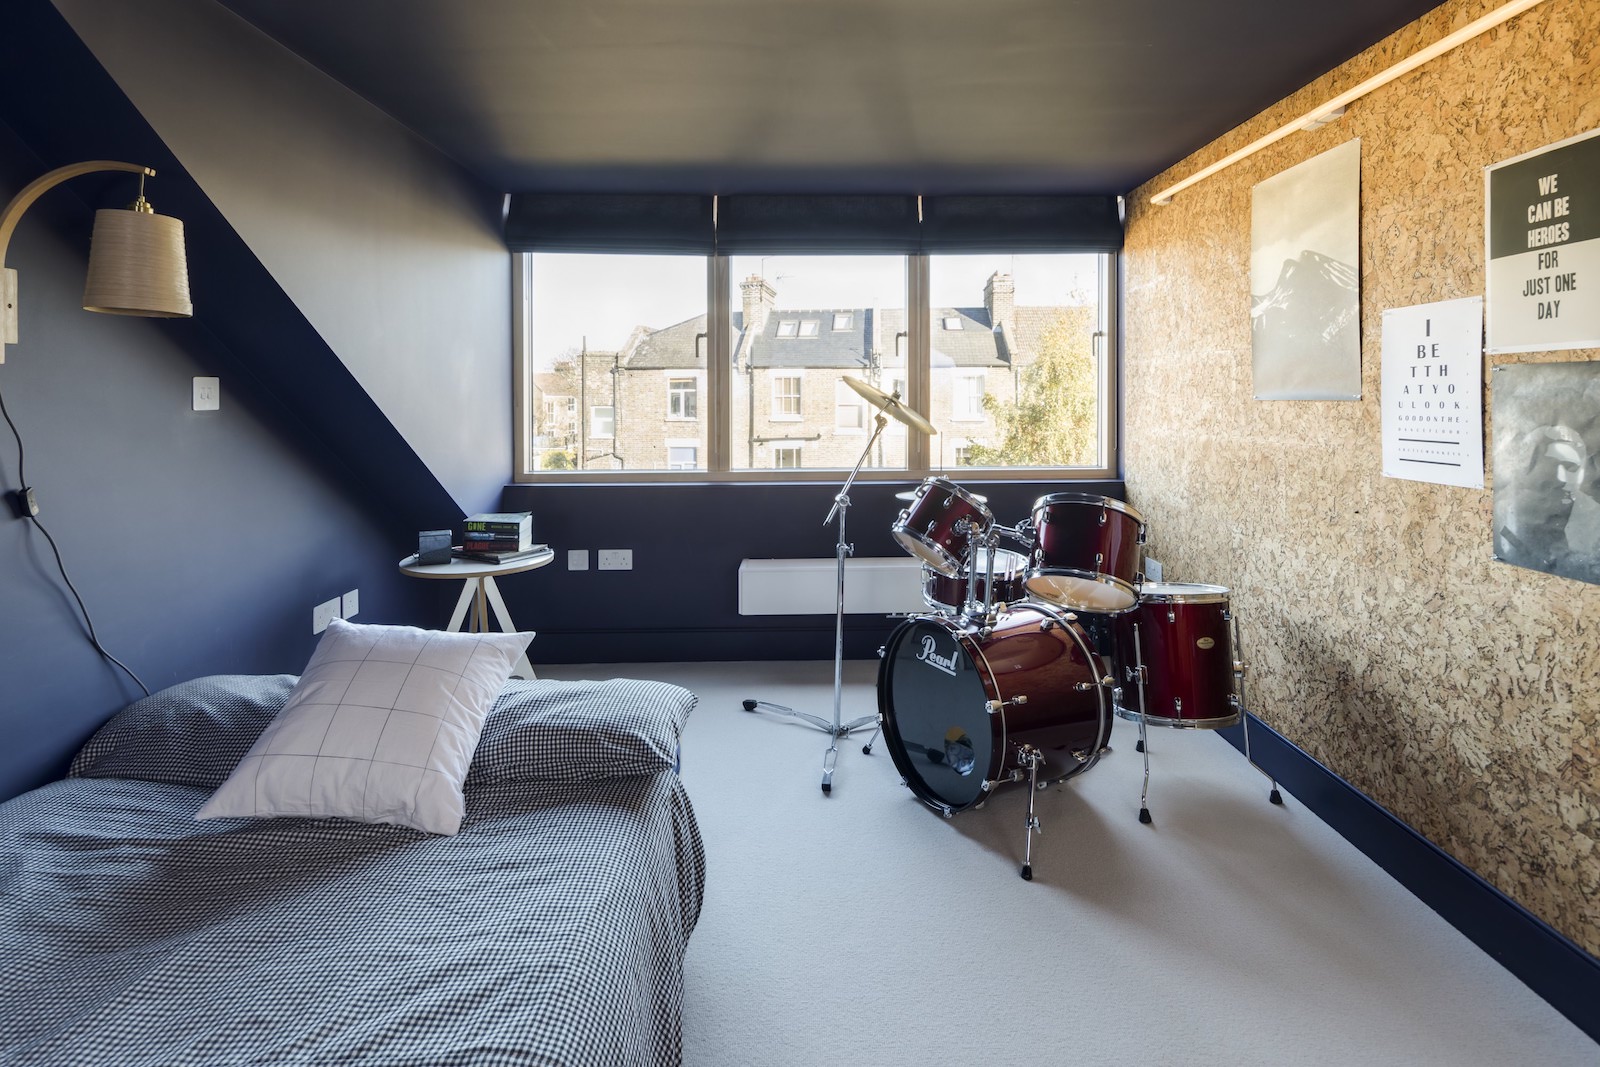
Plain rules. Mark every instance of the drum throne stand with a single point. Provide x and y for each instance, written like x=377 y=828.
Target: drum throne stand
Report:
x=834 y=729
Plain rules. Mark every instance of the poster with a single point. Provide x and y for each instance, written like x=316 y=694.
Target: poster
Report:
x=1546 y=421
x=1543 y=235
x=1432 y=388
x=1305 y=303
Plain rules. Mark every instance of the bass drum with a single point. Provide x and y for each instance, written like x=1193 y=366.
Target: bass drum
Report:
x=958 y=708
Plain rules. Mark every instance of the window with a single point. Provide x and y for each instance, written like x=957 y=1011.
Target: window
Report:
x=967 y=403
x=604 y=334
x=1008 y=355
x=849 y=409
x=786 y=396
x=682 y=394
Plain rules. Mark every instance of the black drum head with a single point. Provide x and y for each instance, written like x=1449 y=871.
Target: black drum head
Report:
x=936 y=713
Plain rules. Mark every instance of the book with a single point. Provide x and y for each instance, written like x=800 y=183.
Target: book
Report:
x=517 y=523
x=501 y=557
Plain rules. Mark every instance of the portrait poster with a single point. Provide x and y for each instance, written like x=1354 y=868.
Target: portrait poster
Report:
x=1305 y=302
x=1546 y=427
x=1542 y=230
x=1432 y=389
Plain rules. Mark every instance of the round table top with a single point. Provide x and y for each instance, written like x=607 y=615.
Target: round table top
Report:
x=471 y=568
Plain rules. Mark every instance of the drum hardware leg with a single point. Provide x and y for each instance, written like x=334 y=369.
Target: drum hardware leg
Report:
x=835 y=729
x=1274 y=796
x=1143 y=746
x=866 y=749
x=1032 y=757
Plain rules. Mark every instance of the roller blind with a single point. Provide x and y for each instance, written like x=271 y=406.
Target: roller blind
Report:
x=605 y=222
x=1021 y=223
x=816 y=224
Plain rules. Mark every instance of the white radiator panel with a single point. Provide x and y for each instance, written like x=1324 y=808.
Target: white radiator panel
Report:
x=872 y=585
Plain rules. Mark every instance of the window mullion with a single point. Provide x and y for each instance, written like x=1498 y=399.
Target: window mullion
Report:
x=918 y=377
x=719 y=323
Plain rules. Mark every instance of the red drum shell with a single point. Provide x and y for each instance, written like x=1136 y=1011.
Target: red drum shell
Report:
x=939 y=525
x=1185 y=640
x=944 y=593
x=1088 y=552
x=936 y=683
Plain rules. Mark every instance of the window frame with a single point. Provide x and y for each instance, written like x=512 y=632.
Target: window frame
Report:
x=777 y=414
x=674 y=379
x=921 y=458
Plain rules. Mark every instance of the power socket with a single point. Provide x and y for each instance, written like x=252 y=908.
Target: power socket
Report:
x=323 y=614
x=350 y=604
x=615 y=559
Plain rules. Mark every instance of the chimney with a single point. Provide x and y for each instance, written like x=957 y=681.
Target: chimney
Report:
x=759 y=299
x=1000 y=298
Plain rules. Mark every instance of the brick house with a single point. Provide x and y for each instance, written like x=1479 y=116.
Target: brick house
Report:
x=643 y=406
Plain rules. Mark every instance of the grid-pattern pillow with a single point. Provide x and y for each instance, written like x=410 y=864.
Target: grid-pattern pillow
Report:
x=577 y=731
x=380 y=728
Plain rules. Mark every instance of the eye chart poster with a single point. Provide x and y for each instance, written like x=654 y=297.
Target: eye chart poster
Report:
x=1543 y=235
x=1432 y=385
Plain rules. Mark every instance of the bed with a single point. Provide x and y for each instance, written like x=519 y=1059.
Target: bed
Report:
x=549 y=930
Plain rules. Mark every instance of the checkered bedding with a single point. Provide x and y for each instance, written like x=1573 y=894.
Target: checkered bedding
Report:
x=549 y=931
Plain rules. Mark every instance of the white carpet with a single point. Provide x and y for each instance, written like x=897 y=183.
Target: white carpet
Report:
x=864 y=928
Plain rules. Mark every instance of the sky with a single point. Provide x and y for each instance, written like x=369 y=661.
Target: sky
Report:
x=599 y=299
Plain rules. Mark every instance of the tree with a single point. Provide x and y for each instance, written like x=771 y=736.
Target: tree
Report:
x=1052 y=422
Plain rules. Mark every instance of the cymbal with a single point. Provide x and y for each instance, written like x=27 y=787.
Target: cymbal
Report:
x=890 y=405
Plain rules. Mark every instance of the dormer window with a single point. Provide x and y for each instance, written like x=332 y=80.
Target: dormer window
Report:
x=788 y=327
x=952 y=322
x=809 y=327
x=842 y=319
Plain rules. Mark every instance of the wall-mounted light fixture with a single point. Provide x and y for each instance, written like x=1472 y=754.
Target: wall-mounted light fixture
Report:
x=137 y=264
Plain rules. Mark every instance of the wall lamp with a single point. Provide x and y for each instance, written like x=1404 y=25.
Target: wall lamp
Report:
x=137 y=264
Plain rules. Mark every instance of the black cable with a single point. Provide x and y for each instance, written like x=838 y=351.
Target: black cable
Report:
x=22 y=477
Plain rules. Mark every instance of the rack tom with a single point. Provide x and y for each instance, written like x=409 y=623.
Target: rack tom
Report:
x=941 y=523
x=947 y=594
x=1088 y=552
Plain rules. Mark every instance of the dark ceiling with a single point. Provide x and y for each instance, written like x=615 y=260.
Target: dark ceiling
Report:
x=919 y=96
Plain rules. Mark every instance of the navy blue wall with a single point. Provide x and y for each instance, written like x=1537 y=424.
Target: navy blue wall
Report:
x=681 y=600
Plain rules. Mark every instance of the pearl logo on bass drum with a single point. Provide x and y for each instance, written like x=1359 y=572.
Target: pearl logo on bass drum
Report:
x=930 y=656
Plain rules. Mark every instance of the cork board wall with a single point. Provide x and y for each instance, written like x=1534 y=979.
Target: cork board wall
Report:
x=1460 y=693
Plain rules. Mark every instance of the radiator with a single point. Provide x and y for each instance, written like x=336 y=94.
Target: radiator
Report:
x=872 y=585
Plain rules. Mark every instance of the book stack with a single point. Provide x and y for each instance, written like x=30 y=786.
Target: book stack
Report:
x=499 y=537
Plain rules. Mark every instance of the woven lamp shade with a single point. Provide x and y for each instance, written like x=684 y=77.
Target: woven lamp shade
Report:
x=137 y=265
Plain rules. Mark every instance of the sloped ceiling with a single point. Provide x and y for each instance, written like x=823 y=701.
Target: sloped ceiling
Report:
x=922 y=96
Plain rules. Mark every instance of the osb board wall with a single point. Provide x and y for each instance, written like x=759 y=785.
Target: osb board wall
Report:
x=1459 y=693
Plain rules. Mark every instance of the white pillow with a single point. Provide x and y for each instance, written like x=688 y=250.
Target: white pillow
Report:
x=380 y=728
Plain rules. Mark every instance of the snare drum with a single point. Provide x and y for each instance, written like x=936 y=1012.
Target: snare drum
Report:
x=958 y=709
x=945 y=594
x=941 y=523
x=1187 y=649
x=1088 y=552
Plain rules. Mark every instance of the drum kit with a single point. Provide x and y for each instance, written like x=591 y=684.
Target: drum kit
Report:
x=1024 y=658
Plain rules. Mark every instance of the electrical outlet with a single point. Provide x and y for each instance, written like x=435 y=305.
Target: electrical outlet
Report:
x=323 y=614
x=578 y=559
x=350 y=603
x=207 y=394
x=1152 y=569
x=616 y=559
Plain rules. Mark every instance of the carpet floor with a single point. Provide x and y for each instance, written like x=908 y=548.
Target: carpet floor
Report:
x=863 y=928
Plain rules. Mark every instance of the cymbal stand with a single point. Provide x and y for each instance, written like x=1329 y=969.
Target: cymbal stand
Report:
x=834 y=729
x=1244 y=717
